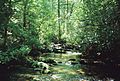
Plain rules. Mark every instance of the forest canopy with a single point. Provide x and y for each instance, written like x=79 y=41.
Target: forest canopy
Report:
x=43 y=22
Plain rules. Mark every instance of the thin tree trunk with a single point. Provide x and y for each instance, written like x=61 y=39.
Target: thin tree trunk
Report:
x=9 y=13
x=5 y=38
x=67 y=7
x=66 y=17
x=25 y=13
x=59 y=20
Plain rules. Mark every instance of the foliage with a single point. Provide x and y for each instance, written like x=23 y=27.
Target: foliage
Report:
x=42 y=22
x=100 y=15
x=14 y=53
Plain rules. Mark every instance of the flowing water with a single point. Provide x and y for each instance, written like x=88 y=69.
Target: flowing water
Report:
x=68 y=68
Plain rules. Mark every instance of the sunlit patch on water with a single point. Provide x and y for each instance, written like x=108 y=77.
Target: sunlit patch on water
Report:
x=55 y=77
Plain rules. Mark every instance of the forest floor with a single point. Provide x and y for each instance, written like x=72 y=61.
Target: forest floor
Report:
x=68 y=68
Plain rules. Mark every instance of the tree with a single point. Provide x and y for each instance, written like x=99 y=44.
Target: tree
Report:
x=59 y=20
x=6 y=13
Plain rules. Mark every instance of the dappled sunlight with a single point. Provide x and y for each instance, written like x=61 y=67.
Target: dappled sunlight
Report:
x=80 y=71
x=59 y=40
x=60 y=72
x=64 y=69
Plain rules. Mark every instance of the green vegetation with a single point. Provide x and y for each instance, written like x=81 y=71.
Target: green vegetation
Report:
x=30 y=29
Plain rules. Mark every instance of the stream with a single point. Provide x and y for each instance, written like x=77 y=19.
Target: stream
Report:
x=68 y=68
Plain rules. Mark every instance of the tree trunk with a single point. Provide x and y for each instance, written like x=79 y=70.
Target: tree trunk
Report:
x=59 y=37
x=5 y=38
x=7 y=18
x=25 y=2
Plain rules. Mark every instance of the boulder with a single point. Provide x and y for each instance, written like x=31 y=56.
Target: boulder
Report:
x=42 y=67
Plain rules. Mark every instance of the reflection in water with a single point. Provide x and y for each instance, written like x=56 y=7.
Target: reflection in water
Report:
x=103 y=72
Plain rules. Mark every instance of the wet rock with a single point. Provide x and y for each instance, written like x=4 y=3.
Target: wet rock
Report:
x=42 y=67
x=74 y=63
x=60 y=62
x=83 y=61
x=72 y=60
x=34 y=52
x=50 y=61
x=71 y=63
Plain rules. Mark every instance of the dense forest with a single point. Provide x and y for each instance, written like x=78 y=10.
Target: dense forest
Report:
x=31 y=29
